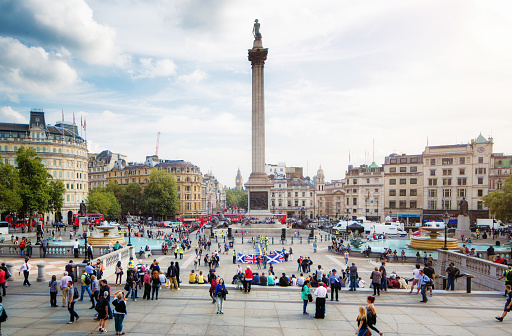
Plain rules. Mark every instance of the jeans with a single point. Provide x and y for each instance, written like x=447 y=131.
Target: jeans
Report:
x=85 y=288
x=118 y=322
x=450 y=283
x=376 y=288
x=424 y=292
x=362 y=332
x=94 y=297
x=384 y=283
x=133 y=291
x=72 y=312
x=147 y=291
x=304 y=306
x=353 y=282
x=220 y=301
x=53 y=299
x=3 y=288
x=346 y=261
x=154 y=289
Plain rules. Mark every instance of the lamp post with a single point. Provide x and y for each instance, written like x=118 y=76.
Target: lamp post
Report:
x=446 y=219
x=129 y=234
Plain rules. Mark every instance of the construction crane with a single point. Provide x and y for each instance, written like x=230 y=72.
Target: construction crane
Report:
x=157 y=142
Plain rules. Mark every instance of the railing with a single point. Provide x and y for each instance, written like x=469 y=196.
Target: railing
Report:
x=110 y=260
x=55 y=251
x=485 y=272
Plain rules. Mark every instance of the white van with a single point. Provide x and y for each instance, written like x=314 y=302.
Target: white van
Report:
x=390 y=230
x=4 y=228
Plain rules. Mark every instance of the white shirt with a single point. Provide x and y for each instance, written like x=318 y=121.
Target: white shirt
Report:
x=346 y=255
x=319 y=274
x=300 y=281
x=294 y=281
x=76 y=244
x=416 y=274
x=321 y=292
x=25 y=267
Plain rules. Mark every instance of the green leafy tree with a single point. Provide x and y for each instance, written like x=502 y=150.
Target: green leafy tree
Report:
x=115 y=188
x=34 y=182
x=103 y=202
x=131 y=197
x=160 y=196
x=10 y=199
x=236 y=198
x=56 y=190
x=499 y=202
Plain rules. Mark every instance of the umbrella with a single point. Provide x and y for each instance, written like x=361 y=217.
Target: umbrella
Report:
x=355 y=227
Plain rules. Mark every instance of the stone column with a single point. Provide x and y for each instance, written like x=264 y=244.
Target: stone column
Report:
x=41 y=275
x=10 y=268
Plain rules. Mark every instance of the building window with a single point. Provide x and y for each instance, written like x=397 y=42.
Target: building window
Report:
x=354 y=201
x=403 y=181
x=403 y=204
x=296 y=203
x=289 y=203
x=354 y=181
x=499 y=184
x=392 y=204
x=447 y=161
x=480 y=205
x=447 y=172
x=392 y=192
x=432 y=162
x=354 y=191
x=414 y=169
x=432 y=172
x=413 y=204
x=432 y=204
x=480 y=171
x=462 y=160
x=403 y=192
x=392 y=170
x=368 y=181
x=432 y=193
x=480 y=159
x=403 y=160
x=462 y=181
x=376 y=190
x=413 y=181
x=403 y=169
x=413 y=192
x=447 y=181
x=480 y=180
x=432 y=182
x=447 y=204
x=392 y=181
x=447 y=193
x=289 y=194
x=480 y=192
x=462 y=171
x=461 y=193
x=296 y=194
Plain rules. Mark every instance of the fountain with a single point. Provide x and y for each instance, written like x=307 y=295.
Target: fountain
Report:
x=433 y=241
x=106 y=235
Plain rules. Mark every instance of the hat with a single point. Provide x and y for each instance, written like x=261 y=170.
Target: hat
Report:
x=333 y=270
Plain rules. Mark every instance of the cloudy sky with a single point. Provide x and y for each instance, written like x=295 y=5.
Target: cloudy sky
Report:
x=339 y=75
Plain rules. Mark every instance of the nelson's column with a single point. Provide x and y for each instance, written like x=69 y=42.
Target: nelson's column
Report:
x=258 y=184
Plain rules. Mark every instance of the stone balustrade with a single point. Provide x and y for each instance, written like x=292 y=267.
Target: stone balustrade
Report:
x=486 y=272
x=110 y=260
x=52 y=251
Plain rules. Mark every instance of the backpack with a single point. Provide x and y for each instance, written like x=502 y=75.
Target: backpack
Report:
x=75 y=294
x=100 y=305
x=87 y=280
x=509 y=275
x=3 y=317
x=171 y=272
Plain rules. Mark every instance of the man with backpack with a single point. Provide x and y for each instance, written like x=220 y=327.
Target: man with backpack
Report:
x=424 y=281
x=171 y=275
x=73 y=296
x=102 y=307
x=452 y=272
x=86 y=281
x=508 y=277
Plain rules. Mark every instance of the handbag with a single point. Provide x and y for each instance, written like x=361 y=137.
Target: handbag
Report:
x=368 y=333
x=310 y=297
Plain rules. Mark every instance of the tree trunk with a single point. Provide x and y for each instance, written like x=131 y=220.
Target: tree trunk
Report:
x=30 y=222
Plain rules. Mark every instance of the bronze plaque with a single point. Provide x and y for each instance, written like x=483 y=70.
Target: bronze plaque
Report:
x=258 y=200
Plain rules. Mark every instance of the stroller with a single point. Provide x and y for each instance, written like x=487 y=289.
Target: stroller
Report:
x=237 y=281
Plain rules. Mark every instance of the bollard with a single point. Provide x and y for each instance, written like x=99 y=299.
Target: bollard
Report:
x=41 y=272
x=315 y=239
x=301 y=240
x=444 y=283
x=292 y=239
x=10 y=267
x=468 y=282
x=242 y=239
x=272 y=240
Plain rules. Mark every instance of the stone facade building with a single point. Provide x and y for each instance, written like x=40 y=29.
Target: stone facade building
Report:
x=99 y=166
x=63 y=152
x=292 y=196
x=213 y=195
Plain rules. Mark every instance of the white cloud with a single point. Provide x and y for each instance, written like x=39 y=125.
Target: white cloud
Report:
x=8 y=115
x=149 y=68
x=193 y=77
x=33 y=70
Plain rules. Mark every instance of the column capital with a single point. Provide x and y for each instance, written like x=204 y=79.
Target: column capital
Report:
x=258 y=56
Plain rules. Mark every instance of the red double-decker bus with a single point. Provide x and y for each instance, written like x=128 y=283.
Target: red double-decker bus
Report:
x=94 y=219
x=281 y=217
x=234 y=218
x=189 y=219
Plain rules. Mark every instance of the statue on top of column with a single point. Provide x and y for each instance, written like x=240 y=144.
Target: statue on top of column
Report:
x=463 y=206
x=256 y=30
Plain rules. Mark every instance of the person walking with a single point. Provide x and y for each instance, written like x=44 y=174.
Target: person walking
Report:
x=3 y=279
x=452 y=272
x=384 y=278
x=76 y=245
x=376 y=277
x=248 y=280
x=72 y=297
x=155 y=285
x=508 y=304
x=119 y=272
x=371 y=314
x=95 y=290
x=508 y=277
x=147 y=285
x=423 y=283
x=416 y=279
x=321 y=294
x=362 y=322
x=346 y=257
x=85 y=280
x=306 y=296
x=335 y=284
x=25 y=268
x=213 y=286
x=64 y=288
x=220 y=294
x=353 y=276
x=102 y=307
x=119 y=311
x=53 y=291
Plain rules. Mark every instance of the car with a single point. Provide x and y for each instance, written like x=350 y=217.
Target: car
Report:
x=59 y=224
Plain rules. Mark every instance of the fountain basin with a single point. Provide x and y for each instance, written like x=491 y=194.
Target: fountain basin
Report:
x=429 y=244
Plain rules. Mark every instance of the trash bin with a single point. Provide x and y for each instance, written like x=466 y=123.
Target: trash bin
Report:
x=230 y=244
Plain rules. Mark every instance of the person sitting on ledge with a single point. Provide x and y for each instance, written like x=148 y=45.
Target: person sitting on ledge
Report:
x=284 y=281
x=200 y=278
x=255 y=279
x=263 y=280
x=499 y=260
x=192 y=279
x=271 y=280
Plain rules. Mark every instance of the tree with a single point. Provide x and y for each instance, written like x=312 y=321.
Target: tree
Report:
x=34 y=183
x=160 y=195
x=499 y=202
x=103 y=202
x=10 y=199
x=236 y=198
x=115 y=188
x=56 y=190
x=131 y=197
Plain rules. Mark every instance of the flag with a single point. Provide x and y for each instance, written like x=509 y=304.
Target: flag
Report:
x=62 y=114
x=85 y=124
x=275 y=258
x=81 y=122
x=73 y=117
